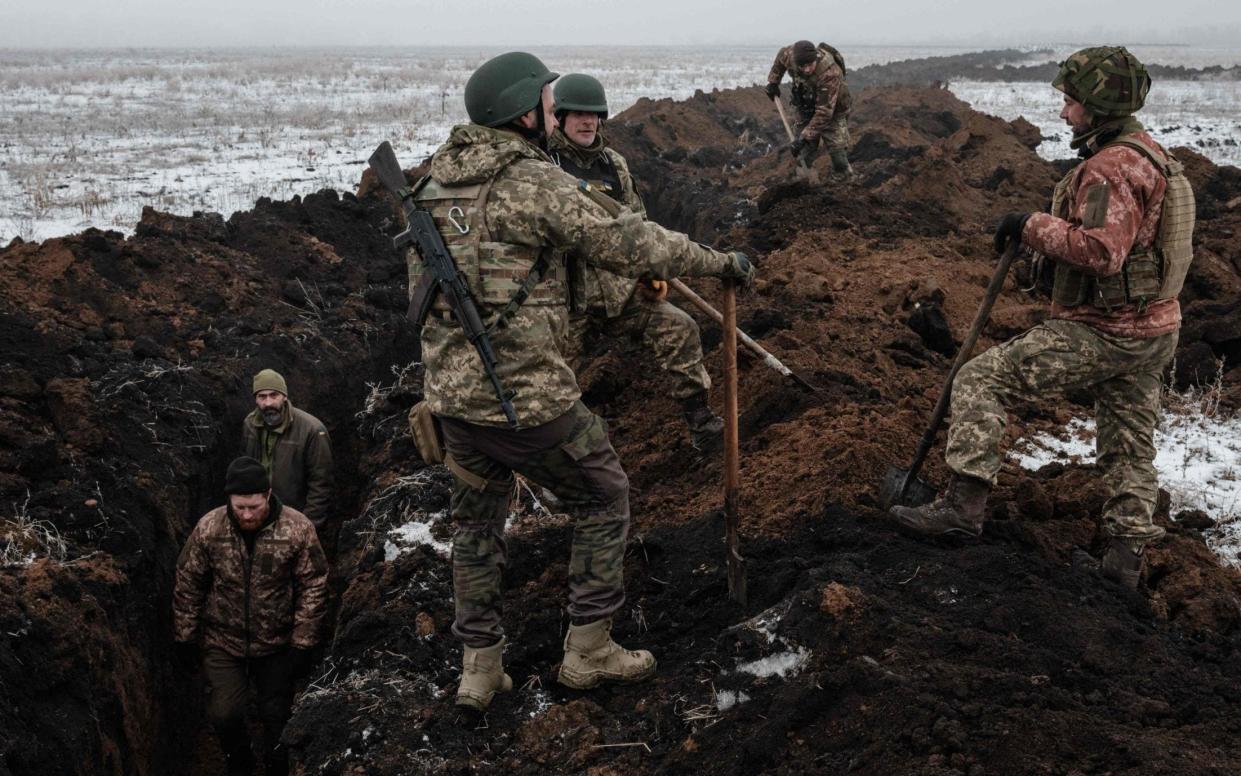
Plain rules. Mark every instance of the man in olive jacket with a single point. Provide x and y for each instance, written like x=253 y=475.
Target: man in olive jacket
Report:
x=293 y=447
x=251 y=589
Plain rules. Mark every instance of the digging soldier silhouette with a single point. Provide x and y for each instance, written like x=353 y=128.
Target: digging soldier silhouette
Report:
x=1114 y=251
x=249 y=602
x=821 y=98
x=617 y=306
x=515 y=224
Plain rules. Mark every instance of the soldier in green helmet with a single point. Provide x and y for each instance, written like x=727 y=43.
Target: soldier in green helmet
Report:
x=516 y=224
x=1115 y=250
x=614 y=305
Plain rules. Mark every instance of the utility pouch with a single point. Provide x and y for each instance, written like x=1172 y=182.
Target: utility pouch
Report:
x=425 y=428
x=1142 y=276
x=588 y=436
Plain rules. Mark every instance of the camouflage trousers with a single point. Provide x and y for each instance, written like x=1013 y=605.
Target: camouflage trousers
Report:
x=570 y=456
x=1123 y=374
x=834 y=138
x=667 y=331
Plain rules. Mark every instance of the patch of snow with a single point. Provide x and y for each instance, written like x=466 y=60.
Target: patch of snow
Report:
x=781 y=664
x=726 y=699
x=414 y=533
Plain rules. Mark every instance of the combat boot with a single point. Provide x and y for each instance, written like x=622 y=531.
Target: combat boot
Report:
x=706 y=429
x=842 y=171
x=482 y=676
x=590 y=656
x=960 y=509
x=1123 y=562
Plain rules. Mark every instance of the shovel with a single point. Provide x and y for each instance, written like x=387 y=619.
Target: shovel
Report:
x=804 y=171
x=732 y=449
x=902 y=486
x=757 y=349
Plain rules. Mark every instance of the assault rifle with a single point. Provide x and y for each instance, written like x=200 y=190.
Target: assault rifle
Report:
x=446 y=278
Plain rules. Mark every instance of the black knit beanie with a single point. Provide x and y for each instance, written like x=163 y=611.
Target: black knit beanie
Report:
x=245 y=477
x=804 y=53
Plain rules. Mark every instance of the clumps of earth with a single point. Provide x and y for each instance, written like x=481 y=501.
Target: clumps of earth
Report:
x=125 y=378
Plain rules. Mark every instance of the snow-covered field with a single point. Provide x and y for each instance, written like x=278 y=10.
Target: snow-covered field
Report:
x=89 y=137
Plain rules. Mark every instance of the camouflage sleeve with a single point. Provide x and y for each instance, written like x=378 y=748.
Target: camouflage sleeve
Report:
x=318 y=478
x=572 y=222
x=633 y=200
x=190 y=588
x=309 y=590
x=780 y=66
x=1107 y=213
x=827 y=91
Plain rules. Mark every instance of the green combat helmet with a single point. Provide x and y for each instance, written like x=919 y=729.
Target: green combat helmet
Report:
x=580 y=92
x=1108 y=80
x=506 y=87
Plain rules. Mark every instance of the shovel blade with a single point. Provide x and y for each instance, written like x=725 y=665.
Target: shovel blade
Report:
x=917 y=492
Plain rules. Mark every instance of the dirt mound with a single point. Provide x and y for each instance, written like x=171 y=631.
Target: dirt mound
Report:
x=859 y=650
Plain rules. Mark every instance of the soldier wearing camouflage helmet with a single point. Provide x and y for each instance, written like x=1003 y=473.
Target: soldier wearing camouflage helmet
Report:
x=1115 y=248
x=821 y=98
x=617 y=306
x=515 y=224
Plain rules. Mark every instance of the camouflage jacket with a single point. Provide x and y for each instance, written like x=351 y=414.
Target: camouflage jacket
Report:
x=298 y=457
x=533 y=203
x=1131 y=222
x=825 y=87
x=606 y=293
x=251 y=604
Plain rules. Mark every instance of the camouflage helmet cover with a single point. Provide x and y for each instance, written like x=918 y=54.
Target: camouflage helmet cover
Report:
x=1109 y=80
x=580 y=92
x=506 y=87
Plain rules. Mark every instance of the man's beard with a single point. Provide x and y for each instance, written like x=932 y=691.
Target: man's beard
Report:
x=272 y=416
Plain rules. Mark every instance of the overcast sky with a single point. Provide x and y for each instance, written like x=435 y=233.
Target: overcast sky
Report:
x=119 y=23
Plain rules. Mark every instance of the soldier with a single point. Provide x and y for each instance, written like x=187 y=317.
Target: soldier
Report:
x=515 y=223
x=822 y=100
x=1120 y=237
x=293 y=447
x=618 y=306
x=251 y=586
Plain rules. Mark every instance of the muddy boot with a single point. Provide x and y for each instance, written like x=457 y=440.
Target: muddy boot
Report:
x=482 y=676
x=1123 y=562
x=842 y=171
x=959 y=509
x=706 y=429
x=590 y=656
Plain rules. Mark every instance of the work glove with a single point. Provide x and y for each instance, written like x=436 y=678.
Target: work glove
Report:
x=300 y=662
x=740 y=269
x=1009 y=230
x=656 y=290
x=773 y=91
x=186 y=655
x=796 y=146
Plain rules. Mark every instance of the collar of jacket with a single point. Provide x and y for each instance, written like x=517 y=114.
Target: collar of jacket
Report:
x=1089 y=143
x=474 y=154
x=274 y=507
x=583 y=156
x=286 y=417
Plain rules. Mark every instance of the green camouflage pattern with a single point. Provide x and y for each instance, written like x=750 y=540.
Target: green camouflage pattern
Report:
x=533 y=203
x=1123 y=374
x=835 y=139
x=1108 y=80
x=572 y=458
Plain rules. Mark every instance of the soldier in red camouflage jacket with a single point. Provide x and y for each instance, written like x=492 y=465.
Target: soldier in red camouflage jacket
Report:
x=252 y=587
x=1119 y=236
x=822 y=100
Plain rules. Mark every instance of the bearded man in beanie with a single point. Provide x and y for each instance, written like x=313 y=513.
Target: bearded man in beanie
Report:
x=821 y=99
x=617 y=306
x=1114 y=250
x=251 y=593
x=293 y=447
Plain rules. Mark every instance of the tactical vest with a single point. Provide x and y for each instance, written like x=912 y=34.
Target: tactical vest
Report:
x=803 y=92
x=1148 y=274
x=501 y=276
x=601 y=174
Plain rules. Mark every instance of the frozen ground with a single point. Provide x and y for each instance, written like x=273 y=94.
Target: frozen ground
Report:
x=89 y=137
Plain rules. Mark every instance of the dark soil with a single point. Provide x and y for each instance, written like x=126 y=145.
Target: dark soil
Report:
x=126 y=374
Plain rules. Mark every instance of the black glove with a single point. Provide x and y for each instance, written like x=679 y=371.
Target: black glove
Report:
x=773 y=91
x=1009 y=230
x=186 y=655
x=300 y=662
x=739 y=268
x=796 y=146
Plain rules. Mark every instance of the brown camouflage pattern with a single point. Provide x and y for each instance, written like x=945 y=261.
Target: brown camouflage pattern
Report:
x=1135 y=198
x=1122 y=373
x=570 y=456
x=819 y=98
x=251 y=605
x=298 y=457
x=534 y=203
